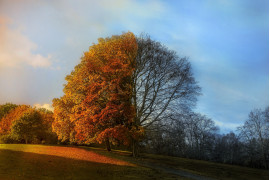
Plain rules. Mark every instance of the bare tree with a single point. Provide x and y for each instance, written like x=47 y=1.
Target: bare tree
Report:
x=162 y=82
x=185 y=134
x=255 y=134
x=227 y=149
x=200 y=132
x=166 y=139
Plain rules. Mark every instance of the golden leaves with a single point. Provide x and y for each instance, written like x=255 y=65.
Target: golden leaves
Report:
x=100 y=90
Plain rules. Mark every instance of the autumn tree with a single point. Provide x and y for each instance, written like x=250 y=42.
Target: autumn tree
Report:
x=99 y=93
x=28 y=127
x=62 y=124
x=6 y=108
x=123 y=86
x=6 y=122
x=19 y=126
x=47 y=135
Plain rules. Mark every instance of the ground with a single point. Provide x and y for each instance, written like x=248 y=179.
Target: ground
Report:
x=19 y=161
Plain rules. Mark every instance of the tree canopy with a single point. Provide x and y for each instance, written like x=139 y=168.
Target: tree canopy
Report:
x=6 y=108
x=98 y=93
x=6 y=122
x=28 y=126
x=122 y=87
x=25 y=124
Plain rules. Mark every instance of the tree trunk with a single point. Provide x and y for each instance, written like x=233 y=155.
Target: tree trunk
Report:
x=26 y=139
x=108 y=146
x=135 y=148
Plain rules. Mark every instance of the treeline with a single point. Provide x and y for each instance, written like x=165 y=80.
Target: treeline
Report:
x=192 y=135
x=25 y=124
x=186 y=134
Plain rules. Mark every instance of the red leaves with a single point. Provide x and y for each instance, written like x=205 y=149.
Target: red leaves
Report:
x=108 y=94
x=100 y=88
x=117 y=134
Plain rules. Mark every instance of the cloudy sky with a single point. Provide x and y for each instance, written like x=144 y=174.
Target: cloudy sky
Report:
x=227 y=42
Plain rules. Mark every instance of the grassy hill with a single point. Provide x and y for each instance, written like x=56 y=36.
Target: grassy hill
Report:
x=19 y=161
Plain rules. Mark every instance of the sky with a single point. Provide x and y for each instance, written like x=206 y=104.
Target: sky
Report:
x=226 y=41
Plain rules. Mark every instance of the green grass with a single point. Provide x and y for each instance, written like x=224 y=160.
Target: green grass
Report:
x=204 y=168
x=17 y=164
x=18 y=161
x=210 y=169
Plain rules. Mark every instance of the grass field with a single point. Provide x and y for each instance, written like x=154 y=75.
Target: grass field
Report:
x=204 y=168
x=34 y=162
x=210 y=169
x=19 y=161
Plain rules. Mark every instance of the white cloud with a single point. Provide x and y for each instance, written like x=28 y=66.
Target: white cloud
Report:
x=16 y=49
x=46 y=106
x=227 y=127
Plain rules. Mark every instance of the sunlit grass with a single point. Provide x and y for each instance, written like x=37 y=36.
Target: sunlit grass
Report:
x=66 y=152
x=18 y=161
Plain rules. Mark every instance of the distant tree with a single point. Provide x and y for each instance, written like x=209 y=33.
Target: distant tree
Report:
x=255 y=134
x=20 y=120
x=228 y=149
x=200 y=131
x=6 y=108
x=47 y=135
x=6 y=122
x=185 y=134
x=28 y=127
x=166 y=139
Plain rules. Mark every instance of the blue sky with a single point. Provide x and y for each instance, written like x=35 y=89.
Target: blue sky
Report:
x=227 y=42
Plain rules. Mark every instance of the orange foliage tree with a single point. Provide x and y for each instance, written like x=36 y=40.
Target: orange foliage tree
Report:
x=28 y=127
x=6 y=108
x=62 y=124
x=27 y=124
x=97 y=102
x=6 y=122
